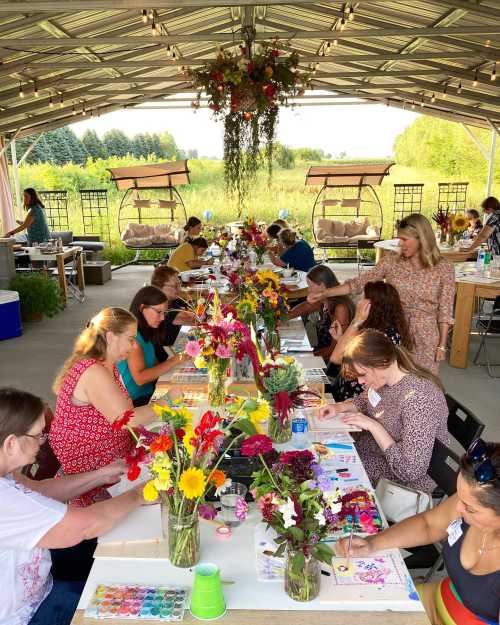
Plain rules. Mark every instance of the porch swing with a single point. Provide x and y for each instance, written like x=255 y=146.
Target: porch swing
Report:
x=347 y=213
x=152 y=211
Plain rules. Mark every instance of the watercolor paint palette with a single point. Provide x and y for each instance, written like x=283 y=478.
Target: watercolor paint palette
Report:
x=120 y=601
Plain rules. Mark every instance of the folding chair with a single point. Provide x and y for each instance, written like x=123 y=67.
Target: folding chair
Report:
x=463 y=425
x=71 y=273
x=488 y=325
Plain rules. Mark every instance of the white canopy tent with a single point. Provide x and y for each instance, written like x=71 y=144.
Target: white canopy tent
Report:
x=63 y=59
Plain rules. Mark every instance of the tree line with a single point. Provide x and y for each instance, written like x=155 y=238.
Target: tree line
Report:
x=63 y=146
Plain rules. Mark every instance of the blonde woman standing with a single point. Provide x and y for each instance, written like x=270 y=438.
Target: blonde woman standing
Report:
x=91 y=398
x=425 y=282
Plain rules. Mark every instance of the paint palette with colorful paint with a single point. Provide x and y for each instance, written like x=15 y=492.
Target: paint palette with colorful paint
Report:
x=129 y=601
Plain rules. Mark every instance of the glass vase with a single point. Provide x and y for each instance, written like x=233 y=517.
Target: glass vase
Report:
x=217 y=376
x=302 y=576
x=183 y=539
x=272 y=340
x=450 y=238
x=280 y=430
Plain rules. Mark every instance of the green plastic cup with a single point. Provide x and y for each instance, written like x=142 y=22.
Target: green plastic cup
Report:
x=207 y=599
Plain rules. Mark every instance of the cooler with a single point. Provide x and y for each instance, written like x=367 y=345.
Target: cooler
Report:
x=10 y=315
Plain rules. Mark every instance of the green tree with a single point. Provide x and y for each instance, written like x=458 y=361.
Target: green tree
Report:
x=77 y=151
x=59 y=147
x=139 y=146
x=168 y=145
x=117 y=143
x=93 y=144
x=284 y=156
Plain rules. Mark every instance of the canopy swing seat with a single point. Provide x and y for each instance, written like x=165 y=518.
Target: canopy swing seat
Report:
x=347 y=213
x=152 y=211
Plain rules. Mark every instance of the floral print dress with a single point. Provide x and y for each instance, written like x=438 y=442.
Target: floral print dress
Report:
x=427 y=295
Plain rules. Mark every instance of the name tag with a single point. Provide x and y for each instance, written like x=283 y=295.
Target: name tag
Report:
x=454 y=531
x=373 y=397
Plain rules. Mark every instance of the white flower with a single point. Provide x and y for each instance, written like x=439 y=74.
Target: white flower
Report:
x=288 y=511
x=320 y=517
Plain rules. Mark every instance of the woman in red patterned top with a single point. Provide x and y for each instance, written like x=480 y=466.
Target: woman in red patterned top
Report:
x=91 y=397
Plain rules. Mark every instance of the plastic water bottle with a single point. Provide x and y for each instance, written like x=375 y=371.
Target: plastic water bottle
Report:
x=300 y=439
x=480 y=259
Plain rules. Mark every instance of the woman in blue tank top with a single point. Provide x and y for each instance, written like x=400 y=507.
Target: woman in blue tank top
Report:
x=468 y=523
x=141 y=369
x=36 y=220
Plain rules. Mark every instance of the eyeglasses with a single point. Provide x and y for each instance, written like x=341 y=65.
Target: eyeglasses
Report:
x=480 y=456
x=41 y=438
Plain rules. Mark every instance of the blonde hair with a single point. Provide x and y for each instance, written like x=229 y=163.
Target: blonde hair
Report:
x=374 y=350
x=91 y=343
x=417 y=226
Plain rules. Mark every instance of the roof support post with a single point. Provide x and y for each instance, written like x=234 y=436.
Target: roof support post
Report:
x=491 y=160
x=15 y=175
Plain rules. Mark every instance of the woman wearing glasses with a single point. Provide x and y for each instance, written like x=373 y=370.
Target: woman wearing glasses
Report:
x=468 y=523
x=425 y=283
x=140 y=370
x=35 y=517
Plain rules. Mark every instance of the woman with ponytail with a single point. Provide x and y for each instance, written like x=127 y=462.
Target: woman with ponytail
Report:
x=91 y=399
x=401 y=411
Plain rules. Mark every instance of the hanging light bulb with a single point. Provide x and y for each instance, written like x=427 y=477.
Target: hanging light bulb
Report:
x=335 y=42
x=51 y=102
x=328 y=46
x=323 y=52
x=413 y=105
x=459 y=88
x=422 y=103
x=61 y=101
x=73 y=109
x=144 y=15
x=21 y=92
x=493 y=76
x=445 y=92
x=316 y=67
x=433 y=97
x=174 y=56
x=154 y=30
x=35 y=91
x=151 y=14
x=476 y=75
x=342 y=23
x=91 y=112
x=84 y=112
x=351 y=13
x=169 y=50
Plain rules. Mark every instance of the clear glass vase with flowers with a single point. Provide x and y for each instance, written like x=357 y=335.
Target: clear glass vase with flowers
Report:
x=183 y=460
x=296 y=499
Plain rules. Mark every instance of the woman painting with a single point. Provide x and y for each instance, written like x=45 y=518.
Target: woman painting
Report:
x=36 y=221
x=298 y=254
x=192 y=229
x=490 y=232
x=187 y=255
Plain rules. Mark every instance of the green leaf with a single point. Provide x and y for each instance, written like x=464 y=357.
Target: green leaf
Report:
x=298 y=562
x=296 y=533
x=245 y=426
x=280 y=550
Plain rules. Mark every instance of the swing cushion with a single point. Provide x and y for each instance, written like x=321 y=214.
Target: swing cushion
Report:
x=333 y=231
x=356 y=227
x=149 y=234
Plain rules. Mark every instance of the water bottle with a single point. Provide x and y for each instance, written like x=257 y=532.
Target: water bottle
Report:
x=480 y=259
x=300 y=439
x=487 y=260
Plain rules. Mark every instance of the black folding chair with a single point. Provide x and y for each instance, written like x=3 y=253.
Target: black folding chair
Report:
x=488 y=326
x=463 y=425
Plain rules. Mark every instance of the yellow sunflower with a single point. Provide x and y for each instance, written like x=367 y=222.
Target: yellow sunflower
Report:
x=459 y=222
x=187 y=440
x=192 y=483
x=260 y=415
x=149 y=491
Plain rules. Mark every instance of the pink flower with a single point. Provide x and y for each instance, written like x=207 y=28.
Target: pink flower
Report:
x=256 y=444
x=207 y=511
x=241 y=509
x=192 y=348
x=223 y=351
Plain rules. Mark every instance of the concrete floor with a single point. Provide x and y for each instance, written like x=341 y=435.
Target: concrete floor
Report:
x=32 y=360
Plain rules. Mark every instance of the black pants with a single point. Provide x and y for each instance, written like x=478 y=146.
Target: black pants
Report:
x=73 y=563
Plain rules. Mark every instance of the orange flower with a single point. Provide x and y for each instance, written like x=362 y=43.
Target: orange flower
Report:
x=218 y=478
x=161 y=443
x=200 y=310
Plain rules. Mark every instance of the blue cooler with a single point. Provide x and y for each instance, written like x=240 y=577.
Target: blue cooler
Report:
x=10 y=315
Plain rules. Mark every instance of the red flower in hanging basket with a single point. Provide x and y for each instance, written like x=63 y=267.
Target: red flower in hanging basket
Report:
x=217 y=75
x=270 y=91
x=214 y=107
x=250 y=68
x=275 y=52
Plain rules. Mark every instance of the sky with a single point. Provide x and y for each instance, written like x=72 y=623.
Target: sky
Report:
x=359 y=131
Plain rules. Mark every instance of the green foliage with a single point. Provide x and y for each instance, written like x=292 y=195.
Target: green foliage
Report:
x=38 y=295
x=94 y=146
x=284 y=156
x=117 y=142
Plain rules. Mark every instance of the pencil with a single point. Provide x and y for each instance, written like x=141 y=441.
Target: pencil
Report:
x=349 y=547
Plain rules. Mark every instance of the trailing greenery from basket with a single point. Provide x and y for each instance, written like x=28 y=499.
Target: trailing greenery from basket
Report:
x=246 y=89
x=38 y=295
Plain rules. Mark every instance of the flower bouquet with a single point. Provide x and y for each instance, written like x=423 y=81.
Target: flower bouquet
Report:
x=458 y=224
x=255 y=238
x=442 y=218
x=296 y=499
x=183 y=462
x=272 y=306
x=279 y=379
x=216 y=339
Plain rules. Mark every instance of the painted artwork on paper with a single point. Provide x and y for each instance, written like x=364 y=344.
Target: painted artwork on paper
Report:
x=375 y=571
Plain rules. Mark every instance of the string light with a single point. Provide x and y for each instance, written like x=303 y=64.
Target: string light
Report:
x=351 y=13
x=342 y=23
x=169 y=50
x=144 y=14
x=445 y=92
x=174 y=56
x=154 y=32
x=413 y=105
x=328 y=46
x=73 y=110
x=474 y=82
x=433 y=97
x=151 y=14
x=335 y=42
x=61 y=101
x=84 y=112
x=21 y=92
x=422 y=103
x=323 y=52
x=51 y=102
x=91 y=112
x=459 y=88
x=35 y=91
x=493 y=76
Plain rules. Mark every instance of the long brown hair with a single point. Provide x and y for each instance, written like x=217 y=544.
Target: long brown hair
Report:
x=374 y=350
x=144 y=298
x=386 y=311
x=33 y=197
x=322 y=274
x=91 y=343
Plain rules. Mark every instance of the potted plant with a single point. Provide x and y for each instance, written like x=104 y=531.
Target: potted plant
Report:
x=38 y=295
